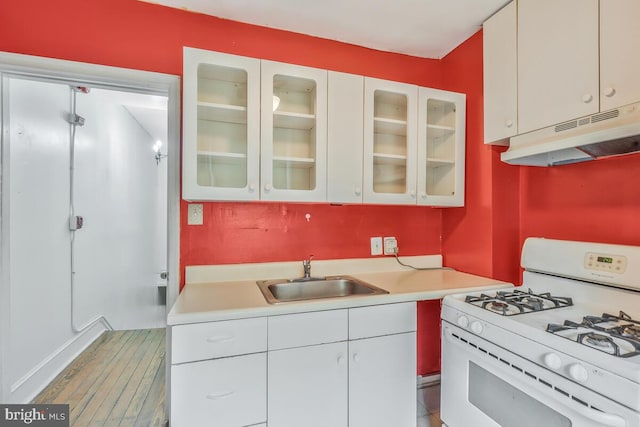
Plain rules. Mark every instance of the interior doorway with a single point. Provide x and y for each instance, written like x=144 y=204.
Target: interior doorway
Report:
x=90 y=220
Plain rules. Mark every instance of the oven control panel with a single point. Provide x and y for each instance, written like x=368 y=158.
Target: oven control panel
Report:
x=605 y=262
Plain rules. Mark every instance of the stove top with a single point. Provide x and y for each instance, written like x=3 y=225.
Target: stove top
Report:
x=615 y=335
x=513 y=302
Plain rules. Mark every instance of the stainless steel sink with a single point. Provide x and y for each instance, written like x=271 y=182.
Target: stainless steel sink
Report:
x=286 y=290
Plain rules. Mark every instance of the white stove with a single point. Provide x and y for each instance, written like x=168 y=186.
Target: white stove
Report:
x=562 y=350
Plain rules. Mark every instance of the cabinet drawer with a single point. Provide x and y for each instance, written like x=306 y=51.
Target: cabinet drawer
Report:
x=218 y=339
x=381 y=320
x=230 y=392
x=298 y=330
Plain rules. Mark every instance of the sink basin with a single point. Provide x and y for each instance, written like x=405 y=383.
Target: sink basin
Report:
x=285 y=290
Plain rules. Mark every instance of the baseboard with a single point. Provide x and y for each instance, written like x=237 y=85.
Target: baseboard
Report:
x=27 y=388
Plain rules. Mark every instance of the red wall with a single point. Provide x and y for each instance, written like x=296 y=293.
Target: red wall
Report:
x=139 y=35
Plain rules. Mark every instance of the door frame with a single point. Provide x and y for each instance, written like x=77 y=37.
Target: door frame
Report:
x=104 y=77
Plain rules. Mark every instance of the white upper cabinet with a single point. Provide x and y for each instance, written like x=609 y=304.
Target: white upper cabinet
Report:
x=221 y=131
x=390 y=142
x=441 y=147
x=557 y=61
x=500 y=63
x=293 y=133
x=345 y=137
x=619 y=59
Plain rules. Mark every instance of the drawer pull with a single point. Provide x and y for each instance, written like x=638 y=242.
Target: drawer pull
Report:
x=220 y=338
x=219 y=395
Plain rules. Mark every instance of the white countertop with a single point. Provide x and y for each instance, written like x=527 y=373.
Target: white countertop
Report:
x=213 y=294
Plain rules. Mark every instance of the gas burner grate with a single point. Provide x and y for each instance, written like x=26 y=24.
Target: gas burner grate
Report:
x=511 y=303
x=615 y=335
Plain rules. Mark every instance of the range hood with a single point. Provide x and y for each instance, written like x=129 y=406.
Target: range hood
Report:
x=610 y=133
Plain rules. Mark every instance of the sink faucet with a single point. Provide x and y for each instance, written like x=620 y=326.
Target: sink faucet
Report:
x=306 y=264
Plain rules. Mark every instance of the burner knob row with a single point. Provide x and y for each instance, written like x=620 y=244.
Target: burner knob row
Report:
x=476 y=327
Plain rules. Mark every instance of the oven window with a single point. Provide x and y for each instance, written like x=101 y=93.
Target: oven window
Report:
x=507 y=405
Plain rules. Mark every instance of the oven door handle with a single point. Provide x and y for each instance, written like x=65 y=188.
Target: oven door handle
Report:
x=605 y=419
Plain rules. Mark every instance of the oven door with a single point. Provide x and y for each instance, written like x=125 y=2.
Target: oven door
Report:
x=483 y=385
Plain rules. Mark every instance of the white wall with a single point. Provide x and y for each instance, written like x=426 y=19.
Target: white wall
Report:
x=117 y=256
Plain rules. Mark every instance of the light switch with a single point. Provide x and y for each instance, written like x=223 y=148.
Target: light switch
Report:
x=194 y=215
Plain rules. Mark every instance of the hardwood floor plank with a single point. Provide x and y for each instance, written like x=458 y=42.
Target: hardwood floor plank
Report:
x=126 y=382
x=117 y=381
x=93 y=399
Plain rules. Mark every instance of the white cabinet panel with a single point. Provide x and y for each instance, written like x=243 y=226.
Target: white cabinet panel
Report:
x=297 y=330
x=221 y=131
x=441 y=147
x=345 y=137
x=308 y=386
x=293 y=133
x=619 y=59
x=500 y=67
x=382 y=381
x=228 y=392
x=201 y=341
x=365 y=322
x=557 y=61
x=390 y=142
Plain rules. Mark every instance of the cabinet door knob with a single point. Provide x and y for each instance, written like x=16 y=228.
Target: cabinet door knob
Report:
x=267 y=187
x=357 y=191
x=252 y=188
x=356 y=358
x=609 y=92
x=509 y=123
x=423 y=195
x=412 y=193
x=340 y=359
x=587 y=98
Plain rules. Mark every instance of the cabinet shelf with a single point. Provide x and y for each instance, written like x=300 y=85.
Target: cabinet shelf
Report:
x=389 y=159
x=441 y=128
x=436 y=162
x=390 y=126
x=286 y=120
x=293 y=162
x=222 y=112
x=218 y=155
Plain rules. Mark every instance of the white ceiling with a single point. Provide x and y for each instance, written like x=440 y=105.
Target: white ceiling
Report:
x=423 y=28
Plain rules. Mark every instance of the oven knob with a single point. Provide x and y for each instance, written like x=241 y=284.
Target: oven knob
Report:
x=552 y=360
x=578 y=372
x=463 y=321
x=476 y=327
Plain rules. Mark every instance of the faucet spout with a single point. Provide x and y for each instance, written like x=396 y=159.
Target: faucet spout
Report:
x=306 y=265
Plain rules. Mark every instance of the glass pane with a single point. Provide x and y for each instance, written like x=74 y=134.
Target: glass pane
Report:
x=389 y=142
x=222 y=127
x=441 y=146
x=294 y=133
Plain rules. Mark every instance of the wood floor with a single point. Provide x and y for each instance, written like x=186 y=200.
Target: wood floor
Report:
x=119 y=380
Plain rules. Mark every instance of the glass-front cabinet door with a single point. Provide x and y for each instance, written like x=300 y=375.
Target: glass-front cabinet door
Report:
x=293 y=133
x=221 y=126
x=441 y=147
x=389 y=170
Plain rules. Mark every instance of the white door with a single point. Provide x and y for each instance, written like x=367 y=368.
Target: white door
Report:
x=390 y=138
x=307 y=386
x=293 y=158
x=557 y=61
x=619 y=61
x=382 y=381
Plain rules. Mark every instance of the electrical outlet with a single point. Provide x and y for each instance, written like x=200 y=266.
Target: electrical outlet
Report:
x=390 y=246
x=194 y=215
x=376 y=246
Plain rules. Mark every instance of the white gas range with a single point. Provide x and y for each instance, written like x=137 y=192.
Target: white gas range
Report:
x=562 y=350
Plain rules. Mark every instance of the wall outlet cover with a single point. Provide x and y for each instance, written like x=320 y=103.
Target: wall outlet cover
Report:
x=194 y=214
x=376 y=246
x=390 y=246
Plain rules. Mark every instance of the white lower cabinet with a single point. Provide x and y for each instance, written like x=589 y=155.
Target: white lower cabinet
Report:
x=308 y=386
x=227 y=392
x=351 y=367
x=382 y=381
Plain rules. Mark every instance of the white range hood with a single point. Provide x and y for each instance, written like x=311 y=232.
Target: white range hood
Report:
x=610 y=133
